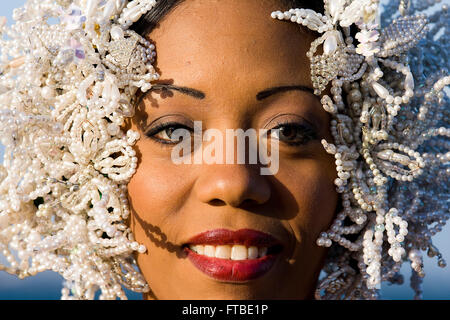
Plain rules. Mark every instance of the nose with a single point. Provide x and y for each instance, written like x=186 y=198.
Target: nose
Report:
x=232 y=184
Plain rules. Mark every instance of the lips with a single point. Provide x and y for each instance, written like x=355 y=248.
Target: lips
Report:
x=235 y=267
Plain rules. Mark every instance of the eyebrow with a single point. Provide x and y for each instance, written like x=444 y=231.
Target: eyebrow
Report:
x=271 y=91
x=188 y=91
x=260 y=96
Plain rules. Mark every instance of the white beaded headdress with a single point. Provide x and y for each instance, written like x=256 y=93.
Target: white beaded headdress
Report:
x=67 y=84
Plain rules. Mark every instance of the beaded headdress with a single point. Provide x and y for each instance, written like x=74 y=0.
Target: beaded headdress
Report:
x=69 y=74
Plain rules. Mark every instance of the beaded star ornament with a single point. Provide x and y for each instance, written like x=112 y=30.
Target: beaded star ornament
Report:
x=69 y=74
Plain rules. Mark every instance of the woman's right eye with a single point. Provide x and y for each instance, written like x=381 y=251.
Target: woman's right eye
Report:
x=164 y=133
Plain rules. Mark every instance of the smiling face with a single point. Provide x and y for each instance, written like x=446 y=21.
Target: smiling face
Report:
x=231 y=59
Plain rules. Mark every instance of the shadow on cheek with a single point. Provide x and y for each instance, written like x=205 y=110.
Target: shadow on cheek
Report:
x=158 y=237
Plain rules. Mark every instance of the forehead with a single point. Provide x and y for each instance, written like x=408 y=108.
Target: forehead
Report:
x=202 y=43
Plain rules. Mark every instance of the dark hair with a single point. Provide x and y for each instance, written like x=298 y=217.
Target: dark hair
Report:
x=150 y=20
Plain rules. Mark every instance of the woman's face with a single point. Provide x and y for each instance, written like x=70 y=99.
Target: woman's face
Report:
x=231 y=51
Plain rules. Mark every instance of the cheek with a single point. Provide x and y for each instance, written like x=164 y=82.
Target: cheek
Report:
x=158 y=187
x=311 y=183
x=156 y=191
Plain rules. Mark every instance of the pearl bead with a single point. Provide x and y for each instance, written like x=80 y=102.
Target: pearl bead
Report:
x=47 y=92
x=330 y=45
x=116 y=33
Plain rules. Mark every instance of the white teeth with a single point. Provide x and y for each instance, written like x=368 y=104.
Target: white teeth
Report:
x=235 y=252
x=223 y=252
x=252 y=252
x=238 y=252
x=198 y=248
x=210 y=251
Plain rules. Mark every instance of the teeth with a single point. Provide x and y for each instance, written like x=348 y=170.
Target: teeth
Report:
x=252 y=252
x=235 y=252
x=238 y=252
x=223 y=252
x=210 y=251
x=198 y=248
x=262 y=251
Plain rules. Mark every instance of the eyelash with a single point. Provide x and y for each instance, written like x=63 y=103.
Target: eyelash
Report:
x=164 y=126
x=307 y=133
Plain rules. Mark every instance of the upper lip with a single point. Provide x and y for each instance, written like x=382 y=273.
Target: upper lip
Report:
x=246 y=237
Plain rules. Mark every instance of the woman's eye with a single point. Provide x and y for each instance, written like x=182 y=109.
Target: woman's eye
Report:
x=293 y=133
x=164 y=133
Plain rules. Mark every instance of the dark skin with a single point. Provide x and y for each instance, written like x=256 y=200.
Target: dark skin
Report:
x=235 y=72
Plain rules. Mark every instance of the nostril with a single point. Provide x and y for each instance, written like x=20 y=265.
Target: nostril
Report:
x=245 y=203
x=217 y=202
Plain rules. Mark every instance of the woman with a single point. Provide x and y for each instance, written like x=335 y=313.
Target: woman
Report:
x=251 y=56
x=78 y=199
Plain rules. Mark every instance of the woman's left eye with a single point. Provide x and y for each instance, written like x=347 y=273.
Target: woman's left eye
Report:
x=293 y=133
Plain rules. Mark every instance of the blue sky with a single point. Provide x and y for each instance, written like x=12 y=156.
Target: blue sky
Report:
x=48 y=284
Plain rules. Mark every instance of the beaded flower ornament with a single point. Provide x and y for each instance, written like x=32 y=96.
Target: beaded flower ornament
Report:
x=69 y=74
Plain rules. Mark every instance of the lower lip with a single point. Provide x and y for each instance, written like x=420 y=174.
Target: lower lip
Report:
x=231 y=270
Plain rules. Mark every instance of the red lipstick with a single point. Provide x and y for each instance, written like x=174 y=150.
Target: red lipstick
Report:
x=234 y=270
